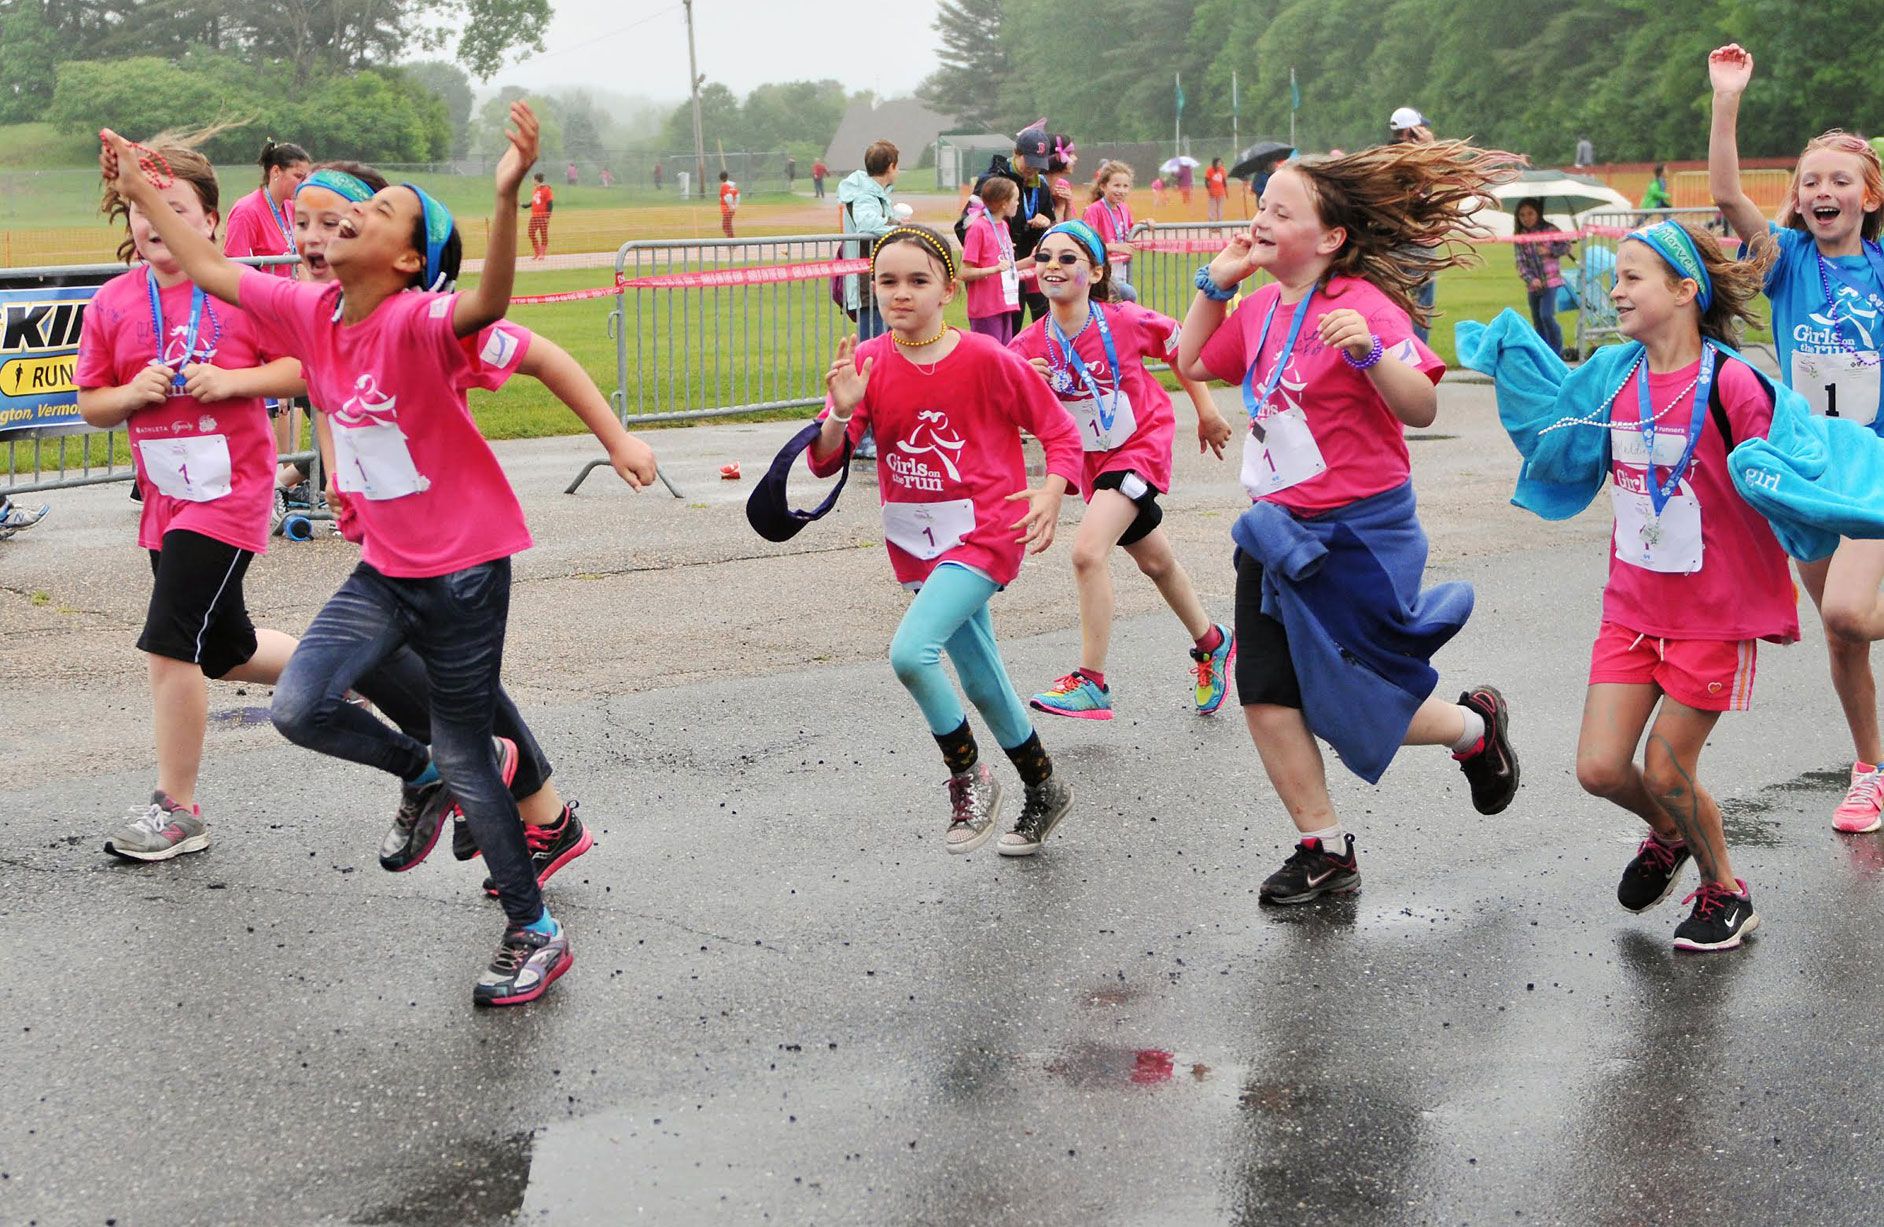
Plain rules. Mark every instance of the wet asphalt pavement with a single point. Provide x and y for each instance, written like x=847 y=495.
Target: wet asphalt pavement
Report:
x=789 y=1005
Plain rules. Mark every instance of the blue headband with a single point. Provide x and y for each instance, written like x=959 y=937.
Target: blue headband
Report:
x=1084 y=235
x=1675 y=245
x=340 y=183
x=438 y=228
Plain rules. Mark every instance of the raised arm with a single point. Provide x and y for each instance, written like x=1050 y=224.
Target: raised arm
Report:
x=202 y=263
x=1206 y=314
x=479 y=308
x=1729 y=70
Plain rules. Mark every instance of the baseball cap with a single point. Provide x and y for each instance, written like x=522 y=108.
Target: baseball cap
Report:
x=1035 y=148
x=1404 y=118
x=769 y=509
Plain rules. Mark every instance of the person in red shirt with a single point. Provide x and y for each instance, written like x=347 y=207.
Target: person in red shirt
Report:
x=948 y=409
x=1216 y=186
x=818 y=171
x=729 y=201
x=542 y=201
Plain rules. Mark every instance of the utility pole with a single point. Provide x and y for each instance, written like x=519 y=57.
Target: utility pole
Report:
x=694 y=79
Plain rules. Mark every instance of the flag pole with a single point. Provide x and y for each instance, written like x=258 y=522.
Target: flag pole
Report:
x=1236 y=130
x=1294 y=94
x=1177 y=123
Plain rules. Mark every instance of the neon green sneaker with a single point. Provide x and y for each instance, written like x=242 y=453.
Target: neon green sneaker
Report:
x=1213 y=672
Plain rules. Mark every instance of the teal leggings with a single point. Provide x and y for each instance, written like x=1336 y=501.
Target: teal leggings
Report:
x=951 y=612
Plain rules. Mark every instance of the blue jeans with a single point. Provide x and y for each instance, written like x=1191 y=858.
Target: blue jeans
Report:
x=454 y=625
x=1429 y=291
x=951 y=613
x=1544 y=317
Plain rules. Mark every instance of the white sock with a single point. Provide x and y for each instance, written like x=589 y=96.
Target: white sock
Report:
x=1331 y=840
x=1474 y=730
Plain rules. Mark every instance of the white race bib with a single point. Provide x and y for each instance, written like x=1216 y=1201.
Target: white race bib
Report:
x=1287 y=454
x=194 y=468
x=928 y=530
x=1093 y=436
x=1843 y=385
x=1670 y=543
x=374 y=461
x=1010 y=287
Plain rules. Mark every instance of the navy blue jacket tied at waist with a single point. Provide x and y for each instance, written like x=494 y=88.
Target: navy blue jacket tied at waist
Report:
x=1346 y=587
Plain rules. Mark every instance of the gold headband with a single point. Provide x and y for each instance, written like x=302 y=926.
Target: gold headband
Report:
x=934 y=244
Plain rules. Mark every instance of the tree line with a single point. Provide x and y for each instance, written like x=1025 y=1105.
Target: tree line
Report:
x=1628 y=74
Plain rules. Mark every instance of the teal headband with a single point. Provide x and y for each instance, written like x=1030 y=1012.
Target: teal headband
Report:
x=1674 y=244
x=438 y=228
x=340 y=183
x=1085 y=235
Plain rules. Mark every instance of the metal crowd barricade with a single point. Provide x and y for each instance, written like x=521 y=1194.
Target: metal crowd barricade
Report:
x=1596 y=265
x=685 y=352
x=1164 y=269
x=66 y=457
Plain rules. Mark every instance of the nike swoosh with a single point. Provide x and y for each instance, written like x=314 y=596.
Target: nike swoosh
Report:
x=1732 y=916
x=1313 y=880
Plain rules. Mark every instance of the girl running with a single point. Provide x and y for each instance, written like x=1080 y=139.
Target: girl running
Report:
x=1091 y=351
x=1826 y=284
x=1110 y=213
x=1331 y=553
x=988 y=266
x=1696 y=577
x=185 y=376
x=388 y=369
x=552 y=831
x=948 y=409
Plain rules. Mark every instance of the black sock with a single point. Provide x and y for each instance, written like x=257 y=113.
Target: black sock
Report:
x=959 y=752
x=1030 y=759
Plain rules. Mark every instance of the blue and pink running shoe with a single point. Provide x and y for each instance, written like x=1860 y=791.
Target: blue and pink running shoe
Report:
x=1213 y=672
x=1077 y=696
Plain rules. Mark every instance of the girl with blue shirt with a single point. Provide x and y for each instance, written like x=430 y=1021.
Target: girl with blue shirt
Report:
x=1826 y=285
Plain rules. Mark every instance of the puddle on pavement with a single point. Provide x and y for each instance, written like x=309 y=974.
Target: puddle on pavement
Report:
x=1750 y=821
x=474 y=1184
x=1096 y=1066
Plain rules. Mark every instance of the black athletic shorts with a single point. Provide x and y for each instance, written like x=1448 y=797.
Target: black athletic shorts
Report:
x=1264 y=671
x=1142 y=493
x=196 y=609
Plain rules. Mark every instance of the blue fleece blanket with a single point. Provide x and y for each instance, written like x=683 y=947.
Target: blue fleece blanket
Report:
x=1346 y=588
x=1813 y=478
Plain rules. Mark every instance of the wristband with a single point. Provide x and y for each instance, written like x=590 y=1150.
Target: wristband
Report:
x=1370 y=361
x=840 y=420
x=1212 y=291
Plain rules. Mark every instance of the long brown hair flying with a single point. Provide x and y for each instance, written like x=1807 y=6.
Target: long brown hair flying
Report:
x=1405 y=209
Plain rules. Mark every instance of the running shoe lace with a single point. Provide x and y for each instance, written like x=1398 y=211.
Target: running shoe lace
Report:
x=1204 y=671
x=512 y=953
x=1068 y=684
x=1712 y=896
x=963 y=795
x=1864 y=789
x=1662 y=856
x=152 y=819
x=539 y=837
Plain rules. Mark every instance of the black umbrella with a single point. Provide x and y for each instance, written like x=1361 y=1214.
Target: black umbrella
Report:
x=1260 y=158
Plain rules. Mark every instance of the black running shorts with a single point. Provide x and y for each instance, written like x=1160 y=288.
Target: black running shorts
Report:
x=1142 y=493
x=1264 y=671
x=196 y=609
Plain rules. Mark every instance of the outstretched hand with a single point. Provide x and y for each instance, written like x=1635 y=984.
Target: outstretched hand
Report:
x=521 y=155
x=117 y=161
x=845 y=383
x=1730 y=69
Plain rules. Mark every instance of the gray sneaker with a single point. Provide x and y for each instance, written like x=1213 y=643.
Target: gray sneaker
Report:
x=1046 y=804
x=525 y=965
x=18 y=519
x=159 y=831
x=974 y=804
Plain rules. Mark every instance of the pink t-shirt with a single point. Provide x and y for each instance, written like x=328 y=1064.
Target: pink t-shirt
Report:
x=430 y=495
x=987 y=244
x=1138 y=334
x=498 y=353
x=1113 y=225
x=1743 y=589
x=209 y=469
x=255 y=228
x=1361 y=441
x=949 y=453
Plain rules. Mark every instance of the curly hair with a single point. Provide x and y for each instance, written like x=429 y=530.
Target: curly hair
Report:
x=187 y=164
x=1840 y=141
x=1405 y=208
x=1107 y=169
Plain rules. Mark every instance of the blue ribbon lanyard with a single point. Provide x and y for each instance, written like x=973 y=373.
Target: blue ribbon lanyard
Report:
x=279 y=216
x=1107 y=407
x=1033 y=202
x=1251 y=400
x=1118 y=221
x=1660 y=492
x=197 y=298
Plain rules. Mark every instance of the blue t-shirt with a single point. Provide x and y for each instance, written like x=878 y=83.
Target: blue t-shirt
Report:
x=1801 y=322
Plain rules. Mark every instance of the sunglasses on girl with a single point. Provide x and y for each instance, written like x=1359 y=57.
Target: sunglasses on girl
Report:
x=1065 y=258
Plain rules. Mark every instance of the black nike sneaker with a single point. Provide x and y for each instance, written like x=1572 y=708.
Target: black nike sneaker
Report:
x=1491 y=767
x=1652 y=875
x=1310 y=872
x=1721 y=918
